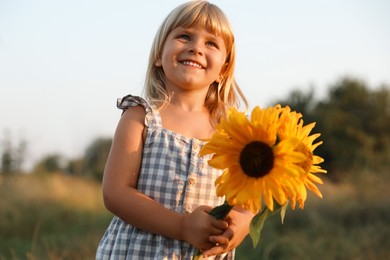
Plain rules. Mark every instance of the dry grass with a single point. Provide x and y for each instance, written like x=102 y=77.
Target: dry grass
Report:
x=62 y=189
x=62 y=217
x=50 y=217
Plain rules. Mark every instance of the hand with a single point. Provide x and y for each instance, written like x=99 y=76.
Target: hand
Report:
x=199 y=226
x=238 y=220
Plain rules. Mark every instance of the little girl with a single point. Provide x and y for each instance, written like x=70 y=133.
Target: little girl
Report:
x=155 y=183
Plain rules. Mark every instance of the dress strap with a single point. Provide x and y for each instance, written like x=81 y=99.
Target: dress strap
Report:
x=152 y=116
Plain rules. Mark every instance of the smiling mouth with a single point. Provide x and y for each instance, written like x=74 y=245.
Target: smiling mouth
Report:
x=193 y=64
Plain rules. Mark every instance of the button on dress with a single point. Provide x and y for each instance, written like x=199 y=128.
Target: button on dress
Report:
x=173 y=174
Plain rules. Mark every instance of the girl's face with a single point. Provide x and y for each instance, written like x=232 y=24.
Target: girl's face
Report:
x=192 y=58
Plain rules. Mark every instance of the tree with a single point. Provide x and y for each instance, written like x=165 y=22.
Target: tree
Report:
x=354 y=122
x=12 y=156
x=76 y=166
x=301 y=102
x=50 y=164
x=95 y=157
x=7 y=160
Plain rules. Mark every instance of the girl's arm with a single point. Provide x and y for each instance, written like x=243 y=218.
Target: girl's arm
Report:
x=123 y=199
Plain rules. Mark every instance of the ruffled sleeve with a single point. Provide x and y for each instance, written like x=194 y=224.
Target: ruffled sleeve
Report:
x=131 y=101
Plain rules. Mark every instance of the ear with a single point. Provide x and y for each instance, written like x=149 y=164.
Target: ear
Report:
x=158 y=62
x=223 y=70
x=219 y=79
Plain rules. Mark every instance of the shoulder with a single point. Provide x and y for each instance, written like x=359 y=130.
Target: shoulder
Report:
x=132 y=119
x=131 y=123
x=135 y=113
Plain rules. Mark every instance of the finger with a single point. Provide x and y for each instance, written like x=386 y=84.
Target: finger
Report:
x=220 y=224
x=229 y=234
x=216 y=250
x=218 y=227
x=205 y=208
x=215 y=232
x=224 y=238
x=220 y=240
x=206 y=246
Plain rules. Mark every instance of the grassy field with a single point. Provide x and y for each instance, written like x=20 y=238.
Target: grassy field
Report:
x=50 y=217
x=62 y=217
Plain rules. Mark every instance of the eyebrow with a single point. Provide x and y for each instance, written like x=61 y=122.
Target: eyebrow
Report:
x=190 y=30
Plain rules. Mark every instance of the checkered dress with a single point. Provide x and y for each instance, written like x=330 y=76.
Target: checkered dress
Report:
x=173 y=174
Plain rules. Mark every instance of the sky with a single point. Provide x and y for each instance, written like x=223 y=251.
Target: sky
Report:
x=63 y=63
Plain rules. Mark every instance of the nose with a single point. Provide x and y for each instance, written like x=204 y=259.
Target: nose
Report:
x=195 y=48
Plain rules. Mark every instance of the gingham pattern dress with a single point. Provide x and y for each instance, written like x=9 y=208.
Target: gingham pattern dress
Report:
x=173 y=174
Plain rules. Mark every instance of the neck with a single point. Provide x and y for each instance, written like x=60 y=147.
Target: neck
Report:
x=188 y=101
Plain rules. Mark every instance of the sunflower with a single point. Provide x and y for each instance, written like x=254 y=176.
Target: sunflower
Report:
x=257 y=165
x=292 y=126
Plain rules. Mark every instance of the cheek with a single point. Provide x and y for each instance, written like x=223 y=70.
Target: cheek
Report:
x=168 y=56
x=222 y=65
x=220 y=58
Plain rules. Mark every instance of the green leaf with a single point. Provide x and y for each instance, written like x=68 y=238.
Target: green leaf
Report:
x=257 y=223
x=283 y=212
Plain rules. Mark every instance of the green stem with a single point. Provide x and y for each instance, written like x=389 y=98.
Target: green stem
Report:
x=219 y=212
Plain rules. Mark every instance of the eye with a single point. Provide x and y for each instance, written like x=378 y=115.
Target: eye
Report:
x=184 y=37
x=212 y=44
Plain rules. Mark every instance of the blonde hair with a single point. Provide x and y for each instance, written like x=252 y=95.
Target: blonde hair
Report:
x=222 y=94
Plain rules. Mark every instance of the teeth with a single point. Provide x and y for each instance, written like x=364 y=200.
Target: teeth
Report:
x=192 y=64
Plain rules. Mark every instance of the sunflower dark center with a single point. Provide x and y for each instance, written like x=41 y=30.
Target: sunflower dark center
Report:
x=256 y=159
